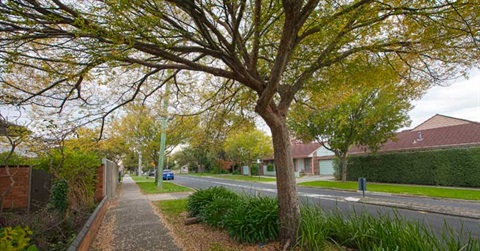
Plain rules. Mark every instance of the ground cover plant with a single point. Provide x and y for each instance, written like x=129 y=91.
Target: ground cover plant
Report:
x=253 y=219
x=50 y=229
x=430 y=191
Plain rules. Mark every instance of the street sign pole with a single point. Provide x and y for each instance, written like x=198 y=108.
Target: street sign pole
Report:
x=163 y=138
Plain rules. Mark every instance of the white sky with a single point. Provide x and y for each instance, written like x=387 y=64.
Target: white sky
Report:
x=459 y=100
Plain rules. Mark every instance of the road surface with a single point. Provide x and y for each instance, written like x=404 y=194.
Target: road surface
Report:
x=461 y=216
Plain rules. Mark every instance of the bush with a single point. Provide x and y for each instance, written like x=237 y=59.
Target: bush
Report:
x=17 y=238
x=59 y=196
x=255 y=219
x=270 y=168
x=14 y=160
x=198 y=200
x=451 y=167
x=79 y=169
x=255 y=169
x=337 y=168
x=51 y=230
x=246 y=218
x=366 y=232
x=214 y=212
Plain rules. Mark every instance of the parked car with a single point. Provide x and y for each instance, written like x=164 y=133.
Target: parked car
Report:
x=151 y=173
x=168 y=175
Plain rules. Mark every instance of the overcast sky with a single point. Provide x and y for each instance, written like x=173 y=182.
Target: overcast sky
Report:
x=459 y=100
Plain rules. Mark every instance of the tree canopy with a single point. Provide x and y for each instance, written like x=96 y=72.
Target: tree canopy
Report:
x=104 y=54
x=243 y=147
x=363 y=106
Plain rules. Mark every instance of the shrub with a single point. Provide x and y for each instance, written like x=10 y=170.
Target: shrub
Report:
x=79 y=168
x=17 y=238
x=367 y=232
x=255 y=169
x=337 y=168
x=451 y=167
x=214 y=212
x=270 y=168
x=254 y=220
x=59 y=196
x=51 y=230
x=198 y=200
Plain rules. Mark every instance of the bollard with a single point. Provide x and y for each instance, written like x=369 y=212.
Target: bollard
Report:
x=362 y=185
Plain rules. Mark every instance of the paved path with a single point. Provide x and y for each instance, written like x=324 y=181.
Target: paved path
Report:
x=133 y=224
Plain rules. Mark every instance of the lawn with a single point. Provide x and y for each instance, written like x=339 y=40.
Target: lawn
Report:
x=430 y=191
x=236 y=177
x=173 y=208
x=149 y=186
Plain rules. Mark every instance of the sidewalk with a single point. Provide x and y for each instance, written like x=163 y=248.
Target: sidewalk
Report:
x=131 y=224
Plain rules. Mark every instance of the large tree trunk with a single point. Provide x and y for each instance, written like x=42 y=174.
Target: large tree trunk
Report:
x=289 y=210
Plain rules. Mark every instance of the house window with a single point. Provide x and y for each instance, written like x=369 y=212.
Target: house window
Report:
x=308 y=163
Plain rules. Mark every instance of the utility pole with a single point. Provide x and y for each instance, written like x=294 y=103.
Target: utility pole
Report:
x=140 y=161
x=163 y=138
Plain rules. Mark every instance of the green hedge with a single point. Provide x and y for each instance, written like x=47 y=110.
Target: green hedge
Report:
x=451 y=167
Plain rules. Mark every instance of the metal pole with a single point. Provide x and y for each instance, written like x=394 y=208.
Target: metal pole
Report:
x=163 y=138
x=139 y=162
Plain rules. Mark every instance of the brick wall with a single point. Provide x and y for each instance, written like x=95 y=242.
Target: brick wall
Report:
x=99 y=186
x=18 y=196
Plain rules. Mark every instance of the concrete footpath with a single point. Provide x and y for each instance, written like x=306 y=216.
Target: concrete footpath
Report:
x=132 y=224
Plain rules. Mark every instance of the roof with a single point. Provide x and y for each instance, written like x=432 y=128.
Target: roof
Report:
x=438 y=121
x=437 y=132
x=301 y=150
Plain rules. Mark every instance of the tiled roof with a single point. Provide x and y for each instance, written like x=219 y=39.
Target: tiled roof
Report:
x=303 y=150
x=441 y=137
x=441 y=121
x=300 y=150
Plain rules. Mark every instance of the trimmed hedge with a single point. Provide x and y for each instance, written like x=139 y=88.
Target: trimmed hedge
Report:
x=448 y=167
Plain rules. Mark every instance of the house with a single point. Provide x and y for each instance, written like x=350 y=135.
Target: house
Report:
x=309 y=159
x=437 y=132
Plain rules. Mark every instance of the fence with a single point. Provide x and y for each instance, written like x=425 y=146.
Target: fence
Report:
x=111 y=177
x=32 y=186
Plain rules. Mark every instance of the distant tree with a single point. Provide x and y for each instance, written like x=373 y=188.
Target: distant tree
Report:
x=140 y=129
x=364 y=112
x=243 y=147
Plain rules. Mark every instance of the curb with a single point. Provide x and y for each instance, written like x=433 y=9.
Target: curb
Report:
x=416 y=208
x=87 y=235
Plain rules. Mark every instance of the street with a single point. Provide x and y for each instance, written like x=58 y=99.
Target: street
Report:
x=461 y=216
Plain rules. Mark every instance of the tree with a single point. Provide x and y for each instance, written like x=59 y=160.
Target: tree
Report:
x=140 y=130
x=340 y=118
x=245 y=146
x=51 y=51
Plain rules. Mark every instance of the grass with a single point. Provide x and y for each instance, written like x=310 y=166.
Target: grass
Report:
x=440 y=192
x=236 y=177
x=149 y=186
x=173 y=208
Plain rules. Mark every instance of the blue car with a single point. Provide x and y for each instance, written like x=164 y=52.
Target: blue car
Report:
x=168 y=175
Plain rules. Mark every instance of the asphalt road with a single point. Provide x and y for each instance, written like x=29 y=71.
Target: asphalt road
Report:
x=336 y=200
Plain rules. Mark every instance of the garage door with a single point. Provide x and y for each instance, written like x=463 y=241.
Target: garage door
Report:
x=326 y=167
